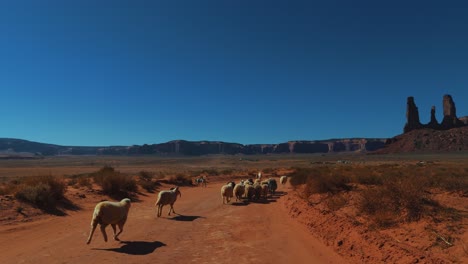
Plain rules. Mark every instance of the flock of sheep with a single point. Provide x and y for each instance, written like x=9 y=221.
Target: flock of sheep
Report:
x=115 y=213
x=250 y=189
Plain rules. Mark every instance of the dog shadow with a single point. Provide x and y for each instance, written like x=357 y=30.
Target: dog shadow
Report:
x=185 y=218
x=136 y=247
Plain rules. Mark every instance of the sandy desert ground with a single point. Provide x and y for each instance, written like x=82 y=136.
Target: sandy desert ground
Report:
x=283 y=229
x=203 y=231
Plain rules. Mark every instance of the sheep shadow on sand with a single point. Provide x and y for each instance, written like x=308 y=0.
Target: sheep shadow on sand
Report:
x=263 y=201
x=185 y=218
x=136 y=247
x=243 y=203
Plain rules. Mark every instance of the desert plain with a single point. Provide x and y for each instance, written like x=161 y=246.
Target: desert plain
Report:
x=358 y=208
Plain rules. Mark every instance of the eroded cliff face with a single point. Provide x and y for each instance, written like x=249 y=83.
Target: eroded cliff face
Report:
x=412 y=116
x=181 y=147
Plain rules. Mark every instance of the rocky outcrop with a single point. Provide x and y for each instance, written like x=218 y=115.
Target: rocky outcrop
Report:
x=449 y=121
x=412 y=116
x=450 y=114
x=428 y=141
x=433 y=123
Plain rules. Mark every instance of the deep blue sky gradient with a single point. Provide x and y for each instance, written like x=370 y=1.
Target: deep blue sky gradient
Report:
x=135 y=72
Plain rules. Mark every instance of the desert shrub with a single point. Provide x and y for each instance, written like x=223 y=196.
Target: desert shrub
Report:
x=6 y=189
x=84 y=182
x=454 y=180
x=180 y=179
x=210 y=172
x=38 y=195
x=227 y=171
x=42 y=191
x=72 y=182
x=114 y=183
x=159 y=175
x=9 y=187
x=145 y=175
x=19 y=209
x=335 y=202
x=367 y=179
x=194 y=173
x=146 y=181
x=332 y=183
x=80 y=180
x=268 y=170
x=300 y=175
x=398 y=198
x=319 y=180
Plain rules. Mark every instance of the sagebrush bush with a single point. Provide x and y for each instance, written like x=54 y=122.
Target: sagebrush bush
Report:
x=114 y=183
x=6 y=189
x=80 y=180
x=39 y=195
x=333 y=183
x=335 y=202
x=180 y=179
x=402 y=197
x=146 y=181
x=84 y=182
x=210 y=172
x=227 y=171
x=42 y=191
x=319 y=180
x=300 y=175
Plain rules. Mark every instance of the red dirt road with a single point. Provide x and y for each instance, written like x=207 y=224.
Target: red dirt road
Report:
x=206 y=231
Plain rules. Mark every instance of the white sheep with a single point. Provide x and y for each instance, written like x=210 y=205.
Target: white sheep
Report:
x=249 y=191
x=283 y=179
x=257 y=190
x=264 y=191
x=167 y=197
x=227 y=192
x=109 y=213
x=239 y=190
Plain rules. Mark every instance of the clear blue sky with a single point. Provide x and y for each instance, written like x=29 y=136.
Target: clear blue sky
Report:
x=135 y=72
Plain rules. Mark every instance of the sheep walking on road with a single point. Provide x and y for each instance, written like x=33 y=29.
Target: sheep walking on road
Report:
x=249 y=191
x=239 y=190
x=167 y=198
x=272 y=185
x=227 y=192
x=283 y=180
x=200 y=181
x=264 y=191
x=109 y=213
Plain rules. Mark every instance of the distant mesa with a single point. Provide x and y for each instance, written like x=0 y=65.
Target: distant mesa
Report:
x=449 y=121
x=9 y=147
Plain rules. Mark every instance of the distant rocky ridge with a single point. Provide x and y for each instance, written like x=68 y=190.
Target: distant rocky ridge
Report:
x=428 y=140
x=18 y=147
x=448 y=136
x=449 y=121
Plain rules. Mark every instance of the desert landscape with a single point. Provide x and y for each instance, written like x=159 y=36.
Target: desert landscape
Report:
x=318 y=216
x=233 y=132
